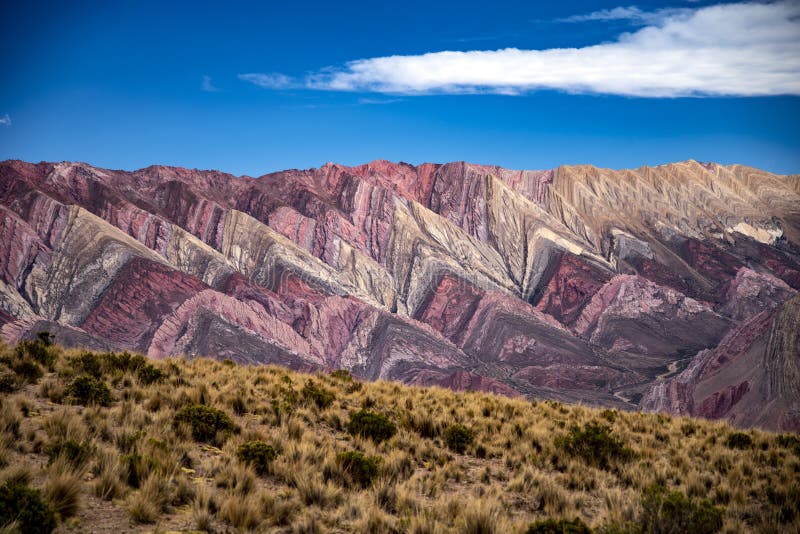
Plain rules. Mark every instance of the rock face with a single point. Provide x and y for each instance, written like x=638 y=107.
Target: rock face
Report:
x=668 y=288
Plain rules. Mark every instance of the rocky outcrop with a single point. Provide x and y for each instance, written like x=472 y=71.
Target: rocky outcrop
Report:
x=576 y=283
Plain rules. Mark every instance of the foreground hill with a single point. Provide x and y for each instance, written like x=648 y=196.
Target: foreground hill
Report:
x=111 y=442
x=667 y=288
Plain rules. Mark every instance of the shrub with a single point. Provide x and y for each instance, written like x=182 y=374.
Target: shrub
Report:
x=361 y=469
x=374 y=426
x=88 y=363
x=123 y=361
x=788 y=441
x=559 y=526
x=36 y=350
x=458 y=438
x=319 y=396
x=137 y=468
x=595 y=445
x=8 y=382
x=149 y=374
x=25 y=506
x=204 y=421
x=74 y=452
x=674 y=512
x=257 y=454
x=27 y=370
x=86 y=390
x=739 y=440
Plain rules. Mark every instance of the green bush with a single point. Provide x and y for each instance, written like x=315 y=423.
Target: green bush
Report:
x=8 y=382
x=361 y=469
x=595 y=445
x=319 y=396
x=88 y=363
x=25 y=506
x=206 y=422
x=123 y=361
x=149 y=374
x=86 y=390
x=37 y=350
x=27 y=370
x=558 y=526
x=674 y=513
x=374 y=426
x=739 y=440
x=458 y=438
x=257 y=454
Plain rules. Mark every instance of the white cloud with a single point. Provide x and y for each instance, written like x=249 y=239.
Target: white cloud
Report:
x=5 y=120
x=377 y=101
x=747 y=49
x=631 y=13
x=273 y=80
x=207 y=85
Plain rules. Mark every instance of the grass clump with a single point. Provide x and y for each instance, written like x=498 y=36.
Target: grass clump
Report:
x=317 y=395
x=361 y=469
x=258 y=454
x=206 y=422
x=558 y=526
x=739 y=440
x=374 y=426
x=25 y=509
x=458 y=438
x=595 y=445
x=87 y=390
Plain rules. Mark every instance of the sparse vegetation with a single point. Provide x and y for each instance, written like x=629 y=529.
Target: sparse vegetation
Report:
x=219 y=447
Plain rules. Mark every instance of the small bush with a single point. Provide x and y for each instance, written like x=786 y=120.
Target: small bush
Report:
x=88 y=363
x=374 y=426
x=319 y=396
x=27 y=370
x=595 y=445
x=123 y=361
x=206 y=422
x=361 y=469
x=8 y=382
x=86 y=390
x=739 y=440
x=25 y=506
x=36 y=350
x=257 y=454
x=788 y=441
x=149 y=374
x=73 y=452
x=458 y=438
x=674 y=512
x=559 y=526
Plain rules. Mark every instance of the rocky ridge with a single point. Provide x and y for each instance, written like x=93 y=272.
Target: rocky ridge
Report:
x=664 y=288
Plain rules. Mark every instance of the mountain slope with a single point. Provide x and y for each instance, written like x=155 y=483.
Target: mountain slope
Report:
x=579 y=283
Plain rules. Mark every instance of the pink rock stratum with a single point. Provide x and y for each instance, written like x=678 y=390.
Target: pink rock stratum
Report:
x=670 y=288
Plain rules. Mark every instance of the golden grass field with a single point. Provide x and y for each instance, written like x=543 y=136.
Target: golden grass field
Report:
x=130 y=459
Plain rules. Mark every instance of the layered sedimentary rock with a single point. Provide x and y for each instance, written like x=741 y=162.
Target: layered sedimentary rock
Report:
x=667 y=288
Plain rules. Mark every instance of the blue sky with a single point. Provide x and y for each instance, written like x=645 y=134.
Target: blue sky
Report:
x=256 y=87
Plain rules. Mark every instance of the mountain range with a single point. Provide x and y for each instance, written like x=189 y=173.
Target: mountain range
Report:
x=670 y=288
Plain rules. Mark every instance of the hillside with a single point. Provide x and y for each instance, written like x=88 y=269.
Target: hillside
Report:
x=661 y=288
x=118 y=443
